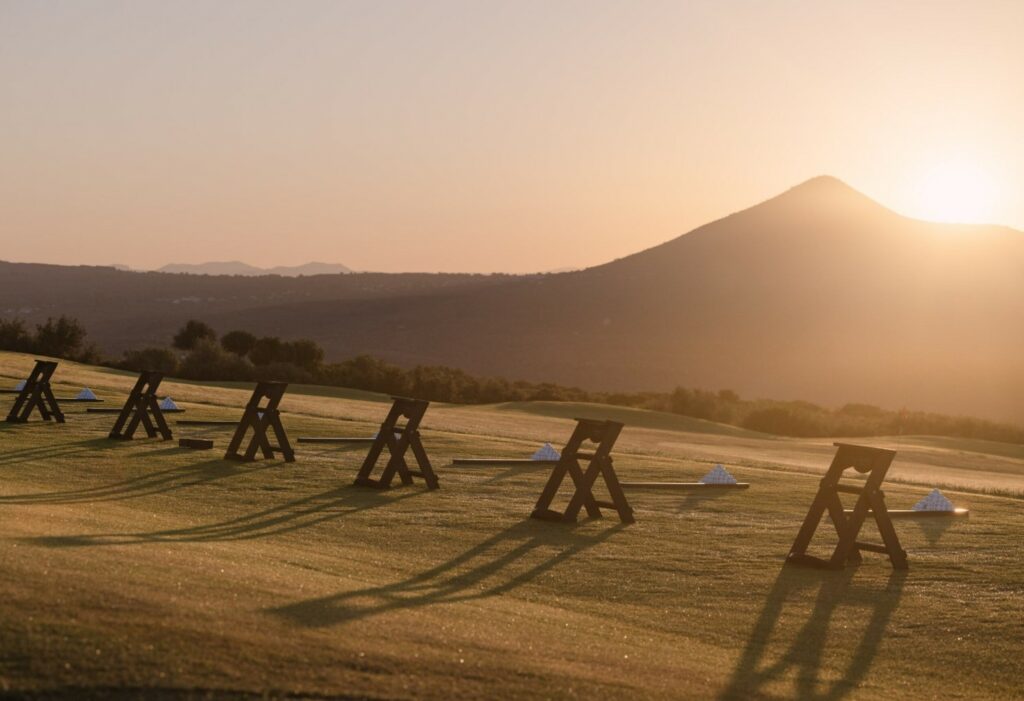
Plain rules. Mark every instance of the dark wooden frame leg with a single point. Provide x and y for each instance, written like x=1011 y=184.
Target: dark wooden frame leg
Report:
x=408 y=438
x=142 y=408
x=37 y=395
x=873 y=462
x=604 y=434
x=259 y=417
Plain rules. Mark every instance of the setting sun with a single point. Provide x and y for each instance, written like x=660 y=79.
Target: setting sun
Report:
x=956 y=192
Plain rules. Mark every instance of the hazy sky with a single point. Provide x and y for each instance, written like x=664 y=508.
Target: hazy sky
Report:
x=484 y=136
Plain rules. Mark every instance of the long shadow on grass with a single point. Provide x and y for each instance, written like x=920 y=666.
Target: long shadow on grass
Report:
x=760 y=665
x=508 y=473
x=934 y=528
x=292 y=516
x=499 y=564
x=160 y=482
x=53 y=451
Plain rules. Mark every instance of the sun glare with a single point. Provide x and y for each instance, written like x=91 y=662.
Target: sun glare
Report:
x=954 y=192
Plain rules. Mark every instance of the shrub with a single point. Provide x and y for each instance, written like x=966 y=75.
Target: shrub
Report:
x=14 y=336
x=159 y=359
x=208 y=361
x=367 y=372
x=238 y=342
x=305 y=353
x=192 y=333
x=786 y=421
x=266 y=350
x=283 y=372
x=61 y=338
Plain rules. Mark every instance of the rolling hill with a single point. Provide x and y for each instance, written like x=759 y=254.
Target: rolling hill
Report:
x=819 y=294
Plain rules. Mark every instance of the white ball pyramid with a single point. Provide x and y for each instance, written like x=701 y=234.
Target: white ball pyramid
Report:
x=86 y=393
x=718 y=475
x=935 y=501
x=168 y=404
x=546 y=452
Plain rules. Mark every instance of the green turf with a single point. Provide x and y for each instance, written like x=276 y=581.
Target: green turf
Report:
x=139 y=568
x=626 y=415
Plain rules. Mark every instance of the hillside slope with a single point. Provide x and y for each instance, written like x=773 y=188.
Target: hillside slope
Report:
x=818 y=294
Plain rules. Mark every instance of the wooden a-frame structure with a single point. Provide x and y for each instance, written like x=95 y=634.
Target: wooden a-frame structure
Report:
x=874 y=462
x=604 y=434
x=142 y=408
x=37 y=394
x=398 y=440
x=259 y=418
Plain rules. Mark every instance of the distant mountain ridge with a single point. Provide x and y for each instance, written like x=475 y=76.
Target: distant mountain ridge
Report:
x=235 y=267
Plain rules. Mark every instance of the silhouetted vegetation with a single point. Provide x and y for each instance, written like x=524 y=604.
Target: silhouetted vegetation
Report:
x=63 y=337
x=160 y=359
x=192 y=333
x=238 y=342
x=241 y=356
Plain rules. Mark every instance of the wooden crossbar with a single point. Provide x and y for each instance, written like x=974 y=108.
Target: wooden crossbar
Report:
x=37 y=395
x=258 y=417
x=604 y=434
x=913 y=513
x=116 y=410
x=142 y=408
x=332 y=439
x=874 y=463
x=684 y=485
x=511 y=462
x=408 y=438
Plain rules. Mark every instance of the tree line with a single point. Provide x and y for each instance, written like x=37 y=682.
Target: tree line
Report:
x=197 y=352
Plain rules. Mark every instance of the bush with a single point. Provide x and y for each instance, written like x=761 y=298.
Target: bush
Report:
x=14 y=336
x=284 y=372
x=238 y=342
x=192 y=333
x=786 y=421
x=305 y=353
x=266 y=350
x=161 y=360
x=63 y=338
x=368 y=373
x=208 y=361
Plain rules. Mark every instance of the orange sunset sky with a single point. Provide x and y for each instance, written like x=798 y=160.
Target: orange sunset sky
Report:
x=485 y=136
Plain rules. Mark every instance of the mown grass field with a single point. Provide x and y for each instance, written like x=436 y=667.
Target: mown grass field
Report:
x=133 y=569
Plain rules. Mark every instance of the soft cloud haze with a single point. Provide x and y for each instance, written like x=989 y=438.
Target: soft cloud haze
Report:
x=483 y=136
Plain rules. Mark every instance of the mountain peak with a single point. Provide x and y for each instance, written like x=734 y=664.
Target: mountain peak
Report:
x=824 y=194
x=823 y=185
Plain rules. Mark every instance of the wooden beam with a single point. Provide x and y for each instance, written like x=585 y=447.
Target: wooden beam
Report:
x=195 y=443
x=111 y=410
x=194 y=422
x=911 y=513
x=684 y=485
x=522 y=462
